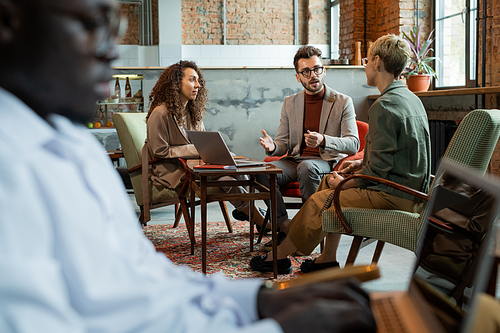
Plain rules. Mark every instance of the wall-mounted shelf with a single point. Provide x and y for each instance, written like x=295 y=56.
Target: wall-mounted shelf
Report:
x=453 y=92
x=119 y=103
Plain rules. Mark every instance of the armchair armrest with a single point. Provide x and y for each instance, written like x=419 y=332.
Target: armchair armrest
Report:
x=336 y=195
x=187 y=174
x=139 y=167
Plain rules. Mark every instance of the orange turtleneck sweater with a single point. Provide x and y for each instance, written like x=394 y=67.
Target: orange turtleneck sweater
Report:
x=312 y=115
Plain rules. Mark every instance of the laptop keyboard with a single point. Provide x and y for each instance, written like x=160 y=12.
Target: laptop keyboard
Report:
x=249 y=163
x=390 y=320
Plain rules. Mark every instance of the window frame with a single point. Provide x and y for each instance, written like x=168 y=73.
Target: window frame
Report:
x=470 y=58
x=334 y=30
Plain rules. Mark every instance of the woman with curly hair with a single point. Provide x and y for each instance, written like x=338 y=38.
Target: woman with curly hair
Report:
x=177 y=104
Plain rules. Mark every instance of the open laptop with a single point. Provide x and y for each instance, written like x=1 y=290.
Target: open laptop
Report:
x=429 y=304
x=213 y=150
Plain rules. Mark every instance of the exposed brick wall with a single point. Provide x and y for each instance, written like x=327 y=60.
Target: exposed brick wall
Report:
x=201 y=22
x=382 y=17
x=303 y=21
x=347 y=28
x=132 y=12
x=492 y=64
x=492 y=51
x=156 y=34
x=318 y=23
x=252 y=22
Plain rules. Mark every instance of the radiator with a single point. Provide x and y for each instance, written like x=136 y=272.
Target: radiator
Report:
x=441 y=132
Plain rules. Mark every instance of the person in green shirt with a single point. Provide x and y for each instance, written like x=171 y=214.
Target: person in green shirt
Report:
x=397 y=149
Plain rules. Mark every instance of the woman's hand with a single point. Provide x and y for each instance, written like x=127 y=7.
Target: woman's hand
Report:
x=348 y=167
x=334 y=180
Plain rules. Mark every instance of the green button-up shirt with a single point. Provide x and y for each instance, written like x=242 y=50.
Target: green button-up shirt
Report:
x=398 y=144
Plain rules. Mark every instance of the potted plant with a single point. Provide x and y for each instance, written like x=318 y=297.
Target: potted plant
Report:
x=419 y=73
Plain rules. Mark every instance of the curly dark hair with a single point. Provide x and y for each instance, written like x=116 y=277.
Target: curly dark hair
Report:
x=167 y=91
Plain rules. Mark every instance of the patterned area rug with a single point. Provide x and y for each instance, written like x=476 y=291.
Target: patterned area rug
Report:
x=227 y=252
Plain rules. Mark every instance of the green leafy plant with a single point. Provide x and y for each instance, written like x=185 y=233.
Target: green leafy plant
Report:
x=419 y=63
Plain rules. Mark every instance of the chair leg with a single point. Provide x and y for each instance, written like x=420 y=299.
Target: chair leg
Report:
x=192 y=210
x=178 y=213
x=141 y=217
x=263 y=227
x=492 y=283
x=353 y=252
x=378 y=252
x=187 y=221
x=223 y=208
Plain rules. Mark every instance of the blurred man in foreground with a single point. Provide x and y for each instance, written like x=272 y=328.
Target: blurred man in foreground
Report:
x=72 y=255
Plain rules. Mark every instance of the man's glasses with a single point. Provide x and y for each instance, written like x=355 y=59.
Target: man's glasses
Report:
x=307 y=72
x=104 y=26
x=364 y=62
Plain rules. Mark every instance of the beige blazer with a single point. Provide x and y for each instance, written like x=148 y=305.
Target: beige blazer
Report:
x=337 y=124
x=168 y=142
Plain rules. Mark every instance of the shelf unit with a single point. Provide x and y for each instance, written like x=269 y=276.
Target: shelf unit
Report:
x=106 y=108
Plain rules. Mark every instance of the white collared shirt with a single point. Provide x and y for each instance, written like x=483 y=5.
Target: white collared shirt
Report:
x=72 y=254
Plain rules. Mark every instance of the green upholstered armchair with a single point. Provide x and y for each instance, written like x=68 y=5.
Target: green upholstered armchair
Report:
x=471 y=146
x=132 y=132
x=131 y=129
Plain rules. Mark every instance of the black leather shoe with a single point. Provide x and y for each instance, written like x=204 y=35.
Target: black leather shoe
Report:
x=269 y=245
x=260 y=264
x=242 y=216
x=309 y=265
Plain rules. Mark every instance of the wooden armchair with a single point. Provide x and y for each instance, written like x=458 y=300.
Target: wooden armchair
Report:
x=471 y=146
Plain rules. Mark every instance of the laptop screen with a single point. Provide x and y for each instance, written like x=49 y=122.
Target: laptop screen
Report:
x=453 y=262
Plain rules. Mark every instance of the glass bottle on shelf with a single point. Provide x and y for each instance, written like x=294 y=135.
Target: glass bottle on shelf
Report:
x=128 y=90
x=117 y=88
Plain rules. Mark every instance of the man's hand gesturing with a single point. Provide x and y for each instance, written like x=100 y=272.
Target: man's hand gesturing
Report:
x=313 y=139
x=267 y=142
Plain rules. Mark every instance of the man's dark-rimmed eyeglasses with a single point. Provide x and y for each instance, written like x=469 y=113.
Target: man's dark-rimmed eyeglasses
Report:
x=104 y=26
x=306 y=72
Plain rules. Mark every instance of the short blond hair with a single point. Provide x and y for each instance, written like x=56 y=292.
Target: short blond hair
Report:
x=394 y=52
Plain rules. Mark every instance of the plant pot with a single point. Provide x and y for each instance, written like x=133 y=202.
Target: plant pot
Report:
x=418 y=82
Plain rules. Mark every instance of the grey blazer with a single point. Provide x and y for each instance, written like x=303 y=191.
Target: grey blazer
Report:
x=337 y=124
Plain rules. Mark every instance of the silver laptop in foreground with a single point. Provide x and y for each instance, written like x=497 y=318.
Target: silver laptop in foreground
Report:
x=454 y=257
x=213 y=150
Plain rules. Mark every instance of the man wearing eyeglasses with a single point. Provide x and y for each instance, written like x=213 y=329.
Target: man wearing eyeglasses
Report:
x=317 y=129
x=73 y=257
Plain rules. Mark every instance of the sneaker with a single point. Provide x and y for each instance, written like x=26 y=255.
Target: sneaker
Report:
x=310 y=265
x=269 y=245
x=260 y=264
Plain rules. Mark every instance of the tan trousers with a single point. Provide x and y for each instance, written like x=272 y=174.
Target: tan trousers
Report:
x=306 y=228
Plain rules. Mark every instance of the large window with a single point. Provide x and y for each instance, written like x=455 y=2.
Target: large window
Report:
x=455 y=43
x=335 y=29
